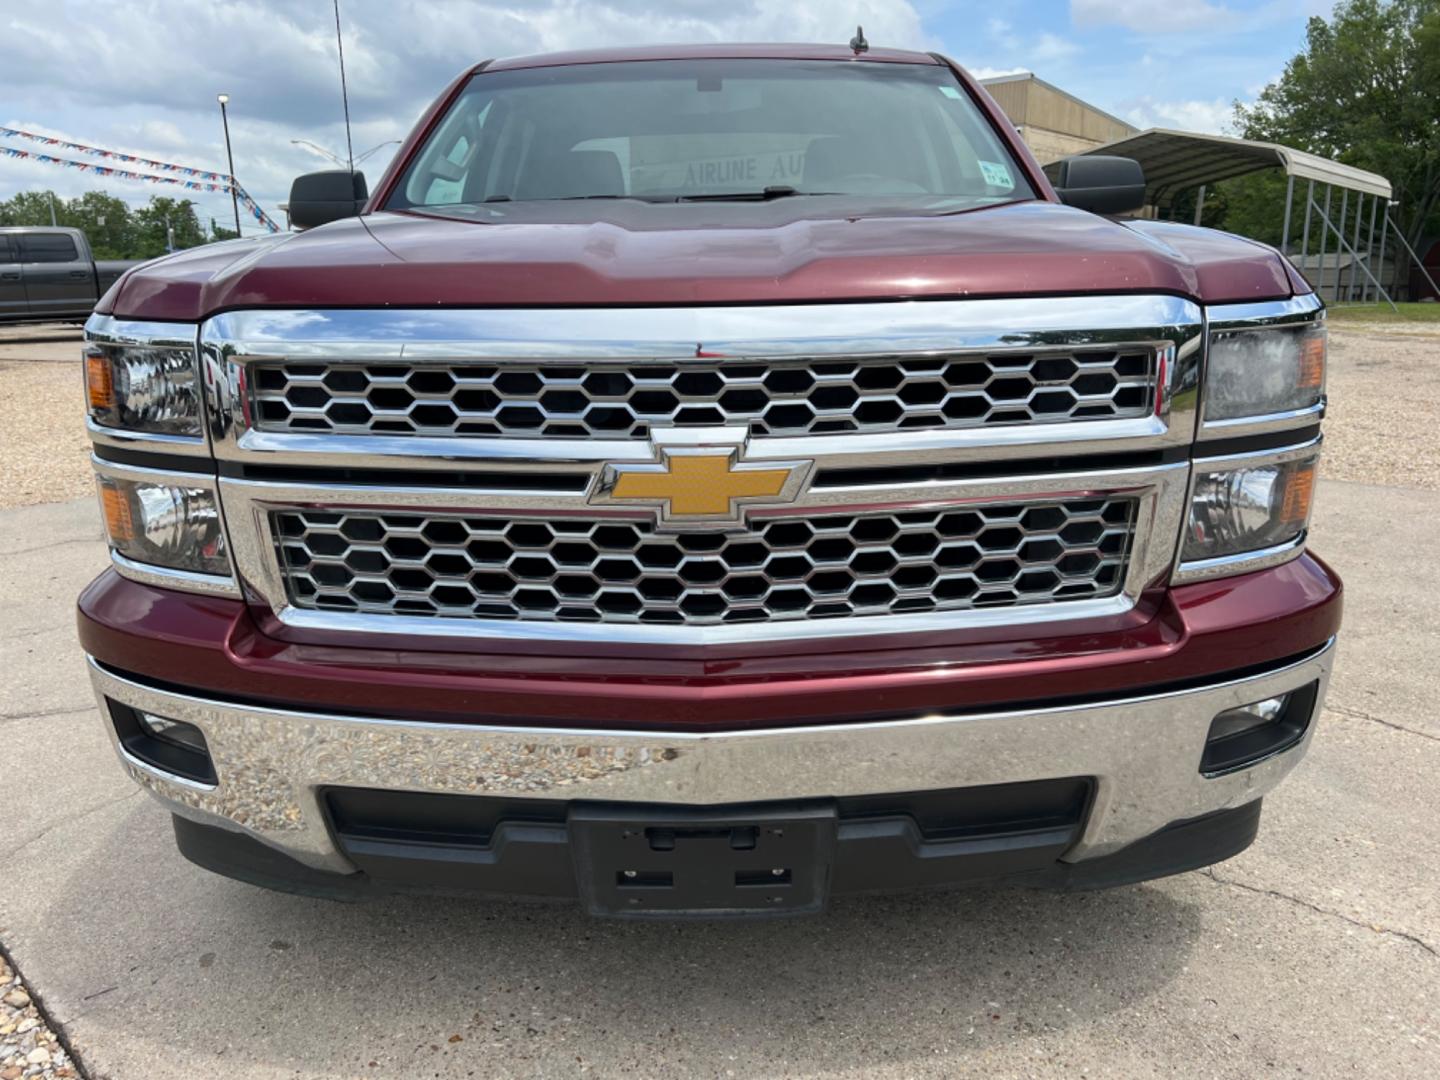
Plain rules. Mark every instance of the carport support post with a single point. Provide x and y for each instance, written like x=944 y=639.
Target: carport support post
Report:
x=1285 y=229
x=1324 y=236
x=1369 y=246
x=1384 y=228
x=1199 y=204
x=1305 y=232
x=1354 y=257
x=1340 y=237
x=1355 y=243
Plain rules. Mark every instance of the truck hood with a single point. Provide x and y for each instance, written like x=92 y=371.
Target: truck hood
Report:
x=634 y=254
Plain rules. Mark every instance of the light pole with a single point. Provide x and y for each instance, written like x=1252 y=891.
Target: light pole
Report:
x=317 y=149
x=224 y=99
x=340 y=161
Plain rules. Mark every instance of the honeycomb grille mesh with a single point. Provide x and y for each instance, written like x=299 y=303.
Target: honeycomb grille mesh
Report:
x=625 y=571
x=609 y=399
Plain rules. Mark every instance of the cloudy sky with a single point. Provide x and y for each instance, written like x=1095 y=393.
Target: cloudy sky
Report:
x=140 y=76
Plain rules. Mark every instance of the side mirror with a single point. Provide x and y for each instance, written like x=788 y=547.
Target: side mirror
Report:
x=321 y=197
x=1101 y=184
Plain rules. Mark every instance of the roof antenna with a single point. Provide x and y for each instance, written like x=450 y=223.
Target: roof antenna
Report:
x=344 y=92
x=858 y=42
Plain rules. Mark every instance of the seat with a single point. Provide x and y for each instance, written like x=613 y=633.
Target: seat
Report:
x=569 y=174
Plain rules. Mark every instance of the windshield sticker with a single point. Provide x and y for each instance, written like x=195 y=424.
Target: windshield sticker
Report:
x=997 y=175
x=951 y=92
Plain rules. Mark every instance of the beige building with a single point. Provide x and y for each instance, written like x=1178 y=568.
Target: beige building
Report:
x=1053 y=124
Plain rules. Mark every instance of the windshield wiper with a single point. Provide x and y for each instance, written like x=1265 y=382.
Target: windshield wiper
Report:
x=633 y=198
x=775 y=191
x=574 y=198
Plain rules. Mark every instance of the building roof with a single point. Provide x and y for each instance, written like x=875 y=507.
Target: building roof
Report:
x=1176 y=160
x=1031 y=77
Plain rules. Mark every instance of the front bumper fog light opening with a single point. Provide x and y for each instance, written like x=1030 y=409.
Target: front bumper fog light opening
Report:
x=168 y=745
x=1246 y=736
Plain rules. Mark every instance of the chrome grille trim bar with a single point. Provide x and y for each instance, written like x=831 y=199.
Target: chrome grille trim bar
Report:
x=232 y=343
x=1160 y=491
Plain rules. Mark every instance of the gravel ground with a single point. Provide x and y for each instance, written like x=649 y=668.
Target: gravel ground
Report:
x=27 y=1045
x=44 y=454
x=1384 y=387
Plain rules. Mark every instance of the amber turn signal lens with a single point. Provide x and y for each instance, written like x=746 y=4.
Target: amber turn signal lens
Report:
x=99 y=384
x=1312 y=361
x=1299 y=493
x=116 y=507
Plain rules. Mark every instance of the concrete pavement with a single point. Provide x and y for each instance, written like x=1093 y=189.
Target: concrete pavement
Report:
x=1317 y=952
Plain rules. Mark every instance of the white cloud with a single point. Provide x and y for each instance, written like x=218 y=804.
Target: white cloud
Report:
x=152 y=69
x=995 y=73
x=1148 y=17
x=1052 y=47
x=1002 y=33
x=1210 y=117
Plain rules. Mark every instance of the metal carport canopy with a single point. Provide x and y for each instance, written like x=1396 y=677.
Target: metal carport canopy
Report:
x=1176 y=160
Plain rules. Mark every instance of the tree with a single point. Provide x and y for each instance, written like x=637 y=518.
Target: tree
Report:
x=1366 y=91
x=106 y=221
x=166 y=224
x=32 y=208
x=114 y=229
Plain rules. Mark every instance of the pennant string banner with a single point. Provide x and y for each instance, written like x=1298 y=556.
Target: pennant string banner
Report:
x=163 y=166
x=186 y=178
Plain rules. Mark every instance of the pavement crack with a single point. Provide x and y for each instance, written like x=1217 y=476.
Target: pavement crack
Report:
x=48 y=829
x=15 y=718
x=52 y=545
x=1299 y=902
x=1356 y=714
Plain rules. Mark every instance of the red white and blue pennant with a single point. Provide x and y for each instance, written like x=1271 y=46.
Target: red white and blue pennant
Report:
x=181 y=176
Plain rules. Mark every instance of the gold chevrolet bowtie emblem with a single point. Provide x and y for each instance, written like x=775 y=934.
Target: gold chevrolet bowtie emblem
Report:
x=707 y=486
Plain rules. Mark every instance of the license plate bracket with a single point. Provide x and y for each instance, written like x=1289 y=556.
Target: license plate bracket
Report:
x=636 y=863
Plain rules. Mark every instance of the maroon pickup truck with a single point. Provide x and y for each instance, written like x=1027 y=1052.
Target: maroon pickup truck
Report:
x=707 y=481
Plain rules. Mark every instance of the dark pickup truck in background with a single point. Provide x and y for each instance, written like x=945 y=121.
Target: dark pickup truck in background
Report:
x=49 y=273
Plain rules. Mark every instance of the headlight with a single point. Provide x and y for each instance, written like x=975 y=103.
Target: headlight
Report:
x=1258 y=506
x=1261 y=372
x=143 y=388
x=172 y=526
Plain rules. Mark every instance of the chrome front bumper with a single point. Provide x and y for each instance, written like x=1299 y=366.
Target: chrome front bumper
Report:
x=1143 y=754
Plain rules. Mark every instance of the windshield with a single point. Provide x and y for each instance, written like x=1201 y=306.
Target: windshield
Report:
x=676 y=130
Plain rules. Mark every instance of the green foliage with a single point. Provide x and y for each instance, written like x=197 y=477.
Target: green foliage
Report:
x=32 y=208
x=115 y=230
x=106 y=221
x=162 y=220
x=1366 y=91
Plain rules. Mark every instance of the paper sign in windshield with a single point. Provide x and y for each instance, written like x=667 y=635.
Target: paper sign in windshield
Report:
x=996 y=174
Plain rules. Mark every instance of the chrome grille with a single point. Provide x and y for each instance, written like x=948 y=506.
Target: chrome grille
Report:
x=594 y=570
x=829 y=395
